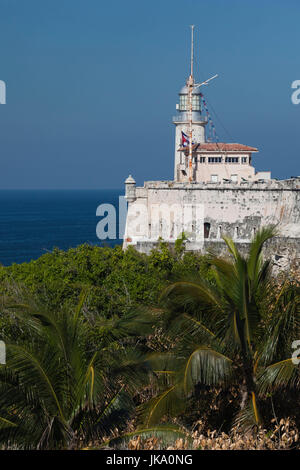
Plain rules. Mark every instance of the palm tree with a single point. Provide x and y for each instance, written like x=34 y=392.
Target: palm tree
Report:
x=60 y=388
x=225 y=332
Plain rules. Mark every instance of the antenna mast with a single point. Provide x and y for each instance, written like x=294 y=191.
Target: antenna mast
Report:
x=190 y=84
x=192 y=50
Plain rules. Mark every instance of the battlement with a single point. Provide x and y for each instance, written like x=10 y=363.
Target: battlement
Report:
x=258 y=185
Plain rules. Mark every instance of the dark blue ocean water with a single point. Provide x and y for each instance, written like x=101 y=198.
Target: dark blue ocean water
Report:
x=34 y=222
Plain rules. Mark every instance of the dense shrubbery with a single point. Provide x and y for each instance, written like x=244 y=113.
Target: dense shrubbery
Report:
x=116 y=279
x=201 y=343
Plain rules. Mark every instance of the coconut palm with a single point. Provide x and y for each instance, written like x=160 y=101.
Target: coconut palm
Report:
x=60 y=389
x=235 y=330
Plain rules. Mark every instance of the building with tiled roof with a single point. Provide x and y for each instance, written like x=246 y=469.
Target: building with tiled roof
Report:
x=205 y=161
x=215 y=191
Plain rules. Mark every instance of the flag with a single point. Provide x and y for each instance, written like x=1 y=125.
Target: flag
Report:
x=184 y=140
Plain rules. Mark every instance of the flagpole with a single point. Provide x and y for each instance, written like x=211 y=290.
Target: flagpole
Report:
x=190 y=85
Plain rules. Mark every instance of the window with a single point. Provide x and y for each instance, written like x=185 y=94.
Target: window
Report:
x=206 y=229
x=196 y=102
x=214 y=159
x=244 y=159
x=160 y=226
x=202 y=159
x=234 y=178
x=231 y=159
x=214 y=178
x=172 y=227
x=184 y=102
x=219 y=233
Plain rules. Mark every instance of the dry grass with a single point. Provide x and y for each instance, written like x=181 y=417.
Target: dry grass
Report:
x=284 y=435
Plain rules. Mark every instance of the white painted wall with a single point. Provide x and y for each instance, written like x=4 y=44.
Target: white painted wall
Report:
x=230 y=209
x=198 y=136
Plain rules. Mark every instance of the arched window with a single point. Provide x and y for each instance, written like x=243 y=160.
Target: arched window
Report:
x=206 y=229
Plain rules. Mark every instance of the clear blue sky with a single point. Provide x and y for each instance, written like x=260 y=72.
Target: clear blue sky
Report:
x=92 y=85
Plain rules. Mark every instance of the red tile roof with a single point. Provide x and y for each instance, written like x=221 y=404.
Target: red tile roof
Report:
x=220 y=147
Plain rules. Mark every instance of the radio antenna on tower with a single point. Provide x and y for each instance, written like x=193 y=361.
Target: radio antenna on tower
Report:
x=191 y=85
x=192 y=50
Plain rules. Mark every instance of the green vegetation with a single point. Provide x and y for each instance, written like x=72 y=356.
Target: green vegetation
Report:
x=104 y=346
x=59 y=390
x=224 y=336
x=116 y=280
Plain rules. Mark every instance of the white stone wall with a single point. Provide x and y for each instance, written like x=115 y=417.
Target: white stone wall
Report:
x=237 y=210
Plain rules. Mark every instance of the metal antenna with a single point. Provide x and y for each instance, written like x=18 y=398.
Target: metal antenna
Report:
x=192 y=50
x=191 y=85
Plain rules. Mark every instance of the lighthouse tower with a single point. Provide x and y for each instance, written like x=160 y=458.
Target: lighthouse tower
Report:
x=189 y=119
x=182 y=122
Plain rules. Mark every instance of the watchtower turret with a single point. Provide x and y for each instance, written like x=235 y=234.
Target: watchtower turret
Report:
x=130 y=189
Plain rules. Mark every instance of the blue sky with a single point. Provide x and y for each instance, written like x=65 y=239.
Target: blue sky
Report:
x=92 y=86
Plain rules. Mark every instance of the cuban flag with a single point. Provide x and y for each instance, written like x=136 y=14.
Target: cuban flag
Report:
x=184 y=140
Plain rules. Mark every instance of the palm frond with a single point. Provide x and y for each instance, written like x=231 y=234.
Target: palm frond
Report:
x=167 y=434
x=205 y=366
x=254 y=261
x=248 y=417
x=282 y=374
x=168 y=403
x=283 y=322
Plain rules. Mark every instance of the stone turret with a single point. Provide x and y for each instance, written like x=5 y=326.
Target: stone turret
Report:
x=130 y=189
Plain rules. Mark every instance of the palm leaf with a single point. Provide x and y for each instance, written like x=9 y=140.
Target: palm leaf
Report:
x=279 y=375
x=167 y=434
x=167 y=404
x=205 y=366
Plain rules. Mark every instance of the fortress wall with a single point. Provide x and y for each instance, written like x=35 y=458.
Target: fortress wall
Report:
x=234 y=210
x=283 y=252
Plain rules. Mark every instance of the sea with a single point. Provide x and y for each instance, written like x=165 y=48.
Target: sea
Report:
x=33 y=222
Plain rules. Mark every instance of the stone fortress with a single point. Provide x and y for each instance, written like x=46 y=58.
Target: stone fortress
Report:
x=218 y=184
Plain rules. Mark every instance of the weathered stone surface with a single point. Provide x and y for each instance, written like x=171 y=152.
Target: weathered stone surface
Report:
x=235 y=210
x=284 y=253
